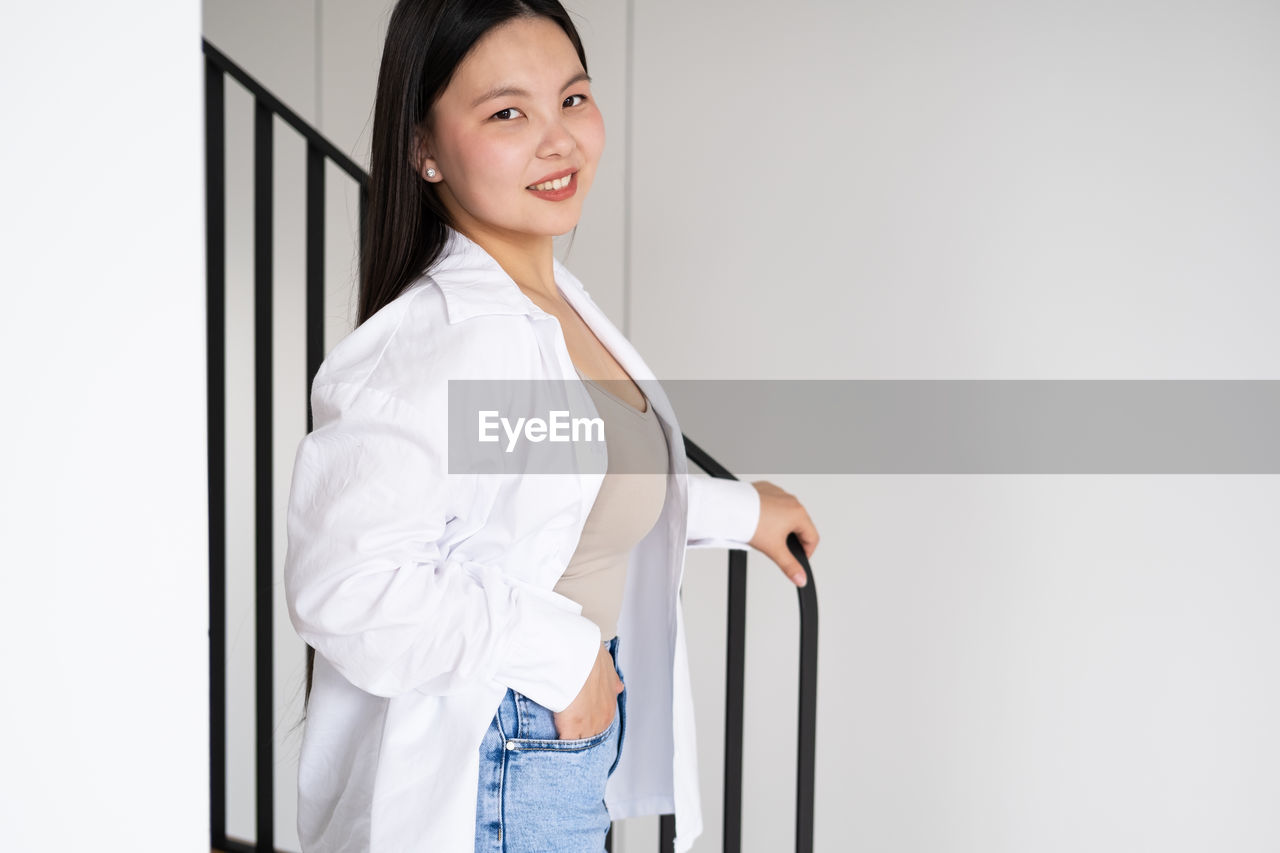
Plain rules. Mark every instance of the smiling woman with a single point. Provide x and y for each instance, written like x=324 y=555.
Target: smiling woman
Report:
x=500 y=153
x=480 y=106
x=466 y=631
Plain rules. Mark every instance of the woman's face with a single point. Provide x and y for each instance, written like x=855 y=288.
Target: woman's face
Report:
x=517 y=114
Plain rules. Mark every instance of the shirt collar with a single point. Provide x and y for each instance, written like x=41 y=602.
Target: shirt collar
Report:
x=473 y=283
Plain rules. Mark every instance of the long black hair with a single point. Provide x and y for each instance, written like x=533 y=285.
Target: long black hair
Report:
x=404 y=222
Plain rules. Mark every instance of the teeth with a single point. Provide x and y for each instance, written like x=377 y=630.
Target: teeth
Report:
x=557 y=184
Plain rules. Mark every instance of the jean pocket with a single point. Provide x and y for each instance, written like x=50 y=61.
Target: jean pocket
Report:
x=536 y=730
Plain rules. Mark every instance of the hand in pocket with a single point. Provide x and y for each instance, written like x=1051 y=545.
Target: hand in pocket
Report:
x=592 y=710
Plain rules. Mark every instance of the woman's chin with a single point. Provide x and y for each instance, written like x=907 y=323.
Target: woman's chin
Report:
x=558 y=227
x=566 y=231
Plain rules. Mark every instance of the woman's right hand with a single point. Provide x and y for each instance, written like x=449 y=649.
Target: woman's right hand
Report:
x=592 y=710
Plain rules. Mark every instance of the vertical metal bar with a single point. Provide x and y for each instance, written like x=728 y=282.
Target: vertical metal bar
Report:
x=215 y=193
x=808 y=711
x=666 y=833
x=263 y=463
x=734 y=681
x=315 y=270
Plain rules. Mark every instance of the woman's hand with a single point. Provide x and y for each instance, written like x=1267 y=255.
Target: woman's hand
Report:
x=592 y=710
x=780 y=515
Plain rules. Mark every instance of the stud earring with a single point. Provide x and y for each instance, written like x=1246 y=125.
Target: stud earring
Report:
x=431 y=173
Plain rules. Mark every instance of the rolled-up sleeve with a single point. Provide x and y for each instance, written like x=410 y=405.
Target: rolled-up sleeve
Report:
x=723 y=513
x=369 y=587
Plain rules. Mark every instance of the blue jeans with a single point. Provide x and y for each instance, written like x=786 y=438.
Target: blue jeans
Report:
x=538 y=792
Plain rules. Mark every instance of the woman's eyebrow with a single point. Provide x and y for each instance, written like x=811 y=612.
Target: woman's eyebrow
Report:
x=502 y=91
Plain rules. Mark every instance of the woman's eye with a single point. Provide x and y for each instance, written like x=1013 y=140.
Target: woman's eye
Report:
x=507 y=114
x=569 y=101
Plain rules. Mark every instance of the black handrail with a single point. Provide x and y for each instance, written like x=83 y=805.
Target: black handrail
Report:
x=735 y=664
x=319 y=150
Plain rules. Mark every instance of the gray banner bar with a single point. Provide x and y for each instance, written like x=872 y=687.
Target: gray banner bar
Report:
x=814 y=426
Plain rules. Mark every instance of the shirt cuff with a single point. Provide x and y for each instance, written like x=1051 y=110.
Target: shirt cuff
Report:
x=552 y=647
x=723 y=513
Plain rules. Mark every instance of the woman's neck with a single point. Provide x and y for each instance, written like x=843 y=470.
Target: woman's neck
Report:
x=528 y=258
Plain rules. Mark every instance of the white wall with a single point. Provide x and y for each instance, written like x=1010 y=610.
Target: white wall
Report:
x=986 y=190
x=919 y=190
x=103 y=489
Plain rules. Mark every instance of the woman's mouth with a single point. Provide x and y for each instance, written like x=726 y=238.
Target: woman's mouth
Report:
x=556 y=189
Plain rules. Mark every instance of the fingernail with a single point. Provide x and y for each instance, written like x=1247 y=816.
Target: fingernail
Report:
x=801 y=580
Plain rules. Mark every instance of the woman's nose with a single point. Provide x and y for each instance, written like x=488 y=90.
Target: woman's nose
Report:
x=556 y=140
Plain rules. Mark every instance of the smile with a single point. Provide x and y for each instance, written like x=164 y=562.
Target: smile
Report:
x=560 y=187
x=557 y=184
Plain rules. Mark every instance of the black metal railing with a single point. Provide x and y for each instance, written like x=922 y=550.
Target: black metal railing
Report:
x=267 y=107
x=735 y=679
x=319 y=150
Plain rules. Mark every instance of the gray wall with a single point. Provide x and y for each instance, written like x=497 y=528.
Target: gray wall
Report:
x=921 y=190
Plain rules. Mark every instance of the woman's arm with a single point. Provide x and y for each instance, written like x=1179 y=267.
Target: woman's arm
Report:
x=367 y=583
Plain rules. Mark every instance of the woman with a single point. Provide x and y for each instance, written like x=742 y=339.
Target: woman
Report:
x=468 y=688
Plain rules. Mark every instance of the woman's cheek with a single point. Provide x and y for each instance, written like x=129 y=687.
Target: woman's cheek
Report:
x=594 y=134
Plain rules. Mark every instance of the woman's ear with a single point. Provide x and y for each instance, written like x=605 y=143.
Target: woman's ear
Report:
x=424 y=163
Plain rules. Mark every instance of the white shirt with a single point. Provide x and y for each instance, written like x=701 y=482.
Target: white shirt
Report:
x=427 y=595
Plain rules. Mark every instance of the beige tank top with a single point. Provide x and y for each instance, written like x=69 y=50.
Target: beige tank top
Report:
x=629 y=503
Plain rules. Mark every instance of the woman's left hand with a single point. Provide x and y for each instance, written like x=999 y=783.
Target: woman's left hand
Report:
x=780 y=515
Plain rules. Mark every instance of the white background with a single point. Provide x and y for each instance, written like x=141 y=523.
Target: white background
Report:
x=103 y=490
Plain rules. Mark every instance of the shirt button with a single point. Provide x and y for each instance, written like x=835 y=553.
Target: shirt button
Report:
x=511 y=745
